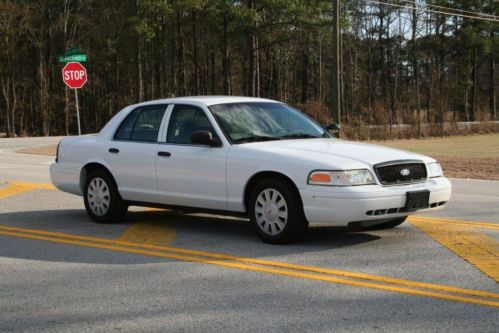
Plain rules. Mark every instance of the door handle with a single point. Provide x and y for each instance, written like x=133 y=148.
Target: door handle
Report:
x=114 y=150
x=164 y=154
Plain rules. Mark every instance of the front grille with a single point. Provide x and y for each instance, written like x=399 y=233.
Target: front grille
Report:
x=401 y=172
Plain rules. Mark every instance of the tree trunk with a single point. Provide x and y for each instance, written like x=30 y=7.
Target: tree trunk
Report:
x=212 y=73
x=254 y=59
x=227 y=88
x=182 y=89
x=6 y=95
x=474 y=79
x=415 y=65
x=43 y=92
x=253 y=70
x=173 y=65
x=195 y=54
x=14 y=106
x=304 y=76
x=443 y=101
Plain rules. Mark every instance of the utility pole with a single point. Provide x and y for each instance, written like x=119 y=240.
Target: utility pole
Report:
x=336 y=91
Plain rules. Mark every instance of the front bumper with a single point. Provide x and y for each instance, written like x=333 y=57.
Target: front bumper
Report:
x=341 y=205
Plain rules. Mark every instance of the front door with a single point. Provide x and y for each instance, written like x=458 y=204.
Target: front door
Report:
x=188 y=174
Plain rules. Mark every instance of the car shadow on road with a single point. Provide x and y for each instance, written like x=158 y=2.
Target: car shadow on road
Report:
x=203 y=227
x=204 y=232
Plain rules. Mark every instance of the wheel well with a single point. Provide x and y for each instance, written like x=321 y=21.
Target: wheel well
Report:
x=256 y=178
x=88 y=169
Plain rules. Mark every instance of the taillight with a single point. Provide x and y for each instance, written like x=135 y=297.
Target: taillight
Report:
x=57 y=153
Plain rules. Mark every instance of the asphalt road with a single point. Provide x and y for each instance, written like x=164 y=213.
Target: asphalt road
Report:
x=163 y=271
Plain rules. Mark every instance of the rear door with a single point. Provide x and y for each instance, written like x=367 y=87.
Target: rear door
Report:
x=132 y=153
x=188 y=174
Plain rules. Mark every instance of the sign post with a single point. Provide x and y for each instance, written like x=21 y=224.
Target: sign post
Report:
x=74 y=76
x=77 y=111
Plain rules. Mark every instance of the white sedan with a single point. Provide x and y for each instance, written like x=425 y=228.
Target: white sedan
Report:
x=238 y=155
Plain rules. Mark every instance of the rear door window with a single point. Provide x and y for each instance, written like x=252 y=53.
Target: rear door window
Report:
x=142 y=124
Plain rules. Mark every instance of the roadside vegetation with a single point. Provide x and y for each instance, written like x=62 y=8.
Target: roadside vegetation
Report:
x=400 y=63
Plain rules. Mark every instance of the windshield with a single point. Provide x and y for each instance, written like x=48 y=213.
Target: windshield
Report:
x=252 y=122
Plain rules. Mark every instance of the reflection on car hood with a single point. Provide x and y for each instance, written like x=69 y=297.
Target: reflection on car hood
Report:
x=361 y=152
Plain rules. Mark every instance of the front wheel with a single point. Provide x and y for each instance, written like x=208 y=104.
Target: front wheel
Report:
x=276 y=212
x=102 y=199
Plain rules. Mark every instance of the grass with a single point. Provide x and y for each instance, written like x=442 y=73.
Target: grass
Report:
x=473 y=146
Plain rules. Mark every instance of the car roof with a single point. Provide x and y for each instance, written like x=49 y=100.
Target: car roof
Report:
x=209 y=100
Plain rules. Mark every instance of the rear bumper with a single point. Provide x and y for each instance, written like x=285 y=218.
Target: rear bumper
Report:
x=65 y=178
x=341 y=205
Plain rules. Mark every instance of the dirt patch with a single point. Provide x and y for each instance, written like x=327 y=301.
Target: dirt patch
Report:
x=45 y=150
x=481 y=168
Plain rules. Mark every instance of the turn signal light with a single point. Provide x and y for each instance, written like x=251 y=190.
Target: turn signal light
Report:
x=320 y=178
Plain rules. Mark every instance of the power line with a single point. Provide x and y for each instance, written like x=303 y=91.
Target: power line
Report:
x=451 y=9
x=428 y=10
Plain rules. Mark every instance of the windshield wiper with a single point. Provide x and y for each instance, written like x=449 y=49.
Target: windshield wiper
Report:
x=298 y=136
x=256 y=138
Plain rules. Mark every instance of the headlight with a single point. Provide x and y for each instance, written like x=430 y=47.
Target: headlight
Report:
x=341 y=178
x=434 y=170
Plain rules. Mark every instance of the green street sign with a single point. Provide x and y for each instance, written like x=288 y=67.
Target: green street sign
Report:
x=73 y=58
x=72 y=51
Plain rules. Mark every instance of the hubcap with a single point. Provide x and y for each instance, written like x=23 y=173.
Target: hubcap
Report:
x=271 y=211
x=98 y=196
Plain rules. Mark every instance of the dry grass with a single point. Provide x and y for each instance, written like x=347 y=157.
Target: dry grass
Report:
x=474 y=156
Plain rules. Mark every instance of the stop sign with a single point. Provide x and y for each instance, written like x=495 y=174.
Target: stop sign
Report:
x=74 y=75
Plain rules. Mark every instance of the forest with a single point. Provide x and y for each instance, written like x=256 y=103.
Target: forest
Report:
x=402 y=62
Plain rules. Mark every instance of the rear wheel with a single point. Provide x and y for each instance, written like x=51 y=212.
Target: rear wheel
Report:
x=102 y=199
x=276 y=212
x=389 y=224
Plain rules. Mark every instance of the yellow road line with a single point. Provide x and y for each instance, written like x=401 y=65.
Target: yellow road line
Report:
x=15 y=188
x=156 y=232
x=479 y=250
x=38 y=186
x=258 y=266
x=264 y=262
x=473 y=224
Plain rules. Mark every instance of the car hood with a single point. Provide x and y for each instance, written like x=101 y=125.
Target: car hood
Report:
x=331 y=149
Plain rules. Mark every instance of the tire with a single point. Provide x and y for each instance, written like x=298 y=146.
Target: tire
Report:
x=276 y=212
x=103 y=202
x=389 y=224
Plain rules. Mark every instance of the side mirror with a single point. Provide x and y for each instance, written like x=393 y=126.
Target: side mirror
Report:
x=204 y=138
x=334 y=129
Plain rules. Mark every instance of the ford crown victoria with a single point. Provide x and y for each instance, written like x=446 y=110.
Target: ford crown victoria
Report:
x=237 y=155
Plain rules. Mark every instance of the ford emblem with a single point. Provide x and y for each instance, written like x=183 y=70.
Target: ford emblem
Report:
x=405 y=172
